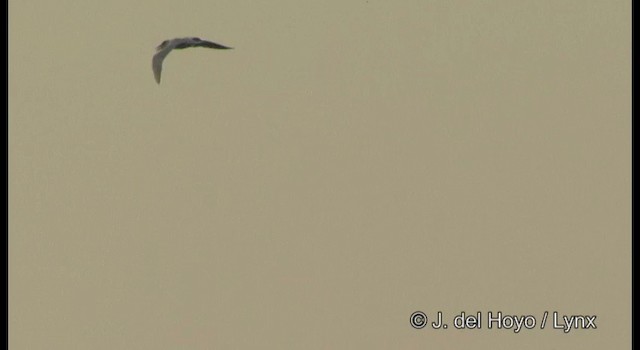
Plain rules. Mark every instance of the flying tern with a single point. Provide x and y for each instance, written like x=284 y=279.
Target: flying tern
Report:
x=179 y=43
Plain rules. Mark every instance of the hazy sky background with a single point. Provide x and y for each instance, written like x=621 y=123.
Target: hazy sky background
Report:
x=346 y=164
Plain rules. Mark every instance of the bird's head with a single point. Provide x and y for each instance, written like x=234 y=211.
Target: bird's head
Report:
x=162 y=46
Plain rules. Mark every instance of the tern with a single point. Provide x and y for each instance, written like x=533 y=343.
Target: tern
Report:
x=179 y=43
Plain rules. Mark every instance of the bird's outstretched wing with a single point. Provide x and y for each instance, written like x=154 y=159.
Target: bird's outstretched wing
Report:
x=156 y=63
x=197 y=42
x=212 y=45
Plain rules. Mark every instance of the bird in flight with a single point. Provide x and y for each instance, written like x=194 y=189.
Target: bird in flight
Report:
x=179 y=43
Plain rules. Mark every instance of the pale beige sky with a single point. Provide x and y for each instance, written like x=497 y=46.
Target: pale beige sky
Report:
x=346 y=164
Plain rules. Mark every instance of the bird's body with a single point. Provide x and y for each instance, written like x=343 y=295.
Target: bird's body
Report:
x=179 y=43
